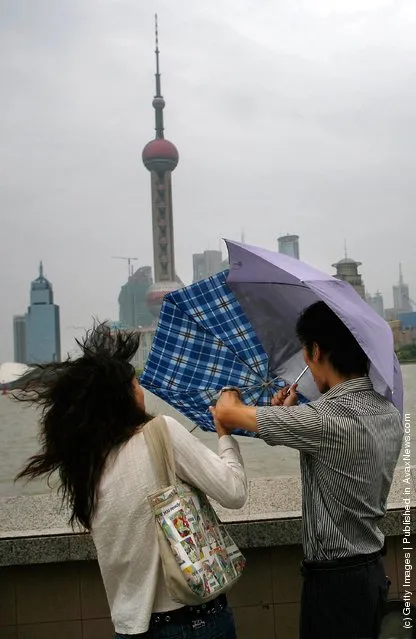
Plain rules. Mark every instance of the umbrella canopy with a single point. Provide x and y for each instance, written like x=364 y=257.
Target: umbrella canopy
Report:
x=204 y=342
x=282 y=287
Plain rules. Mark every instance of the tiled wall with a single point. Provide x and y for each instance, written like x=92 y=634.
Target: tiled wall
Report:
x=67 y=600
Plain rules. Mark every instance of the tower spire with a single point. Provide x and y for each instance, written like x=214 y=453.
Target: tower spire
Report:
x=158 y=101
x=345 y=248
x=41 y=269
x=400 y=274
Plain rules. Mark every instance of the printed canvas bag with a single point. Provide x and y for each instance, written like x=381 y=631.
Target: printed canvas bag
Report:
x=200 y=560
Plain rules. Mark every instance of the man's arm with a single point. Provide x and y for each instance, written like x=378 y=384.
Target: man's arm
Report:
x=298 y=427
x=237 y=416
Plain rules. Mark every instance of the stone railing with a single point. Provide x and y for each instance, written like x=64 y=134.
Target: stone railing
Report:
x=50 y=584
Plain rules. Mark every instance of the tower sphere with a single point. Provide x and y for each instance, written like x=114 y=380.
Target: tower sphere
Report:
x=160 y=155
x=156 y=293
x=158 y=102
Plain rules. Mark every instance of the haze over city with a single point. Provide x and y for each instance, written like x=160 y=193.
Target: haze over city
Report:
x=288 y=118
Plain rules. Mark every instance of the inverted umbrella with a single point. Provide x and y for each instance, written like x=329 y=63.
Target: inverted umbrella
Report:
x=282 y=287
x=202 y=343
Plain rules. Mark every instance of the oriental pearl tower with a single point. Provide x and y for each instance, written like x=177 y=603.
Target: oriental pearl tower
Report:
x=161 y=157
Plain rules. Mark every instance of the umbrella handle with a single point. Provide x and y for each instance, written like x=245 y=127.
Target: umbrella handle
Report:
x=297 y=379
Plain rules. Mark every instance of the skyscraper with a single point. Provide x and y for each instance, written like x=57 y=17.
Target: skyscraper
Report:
x=376 y=302
x=347 y=270
x=19 y=338
x=161 y=157
x=401 y=298
x=133 y=310
x=206 y=264
x=43 y=340
x=289 y=245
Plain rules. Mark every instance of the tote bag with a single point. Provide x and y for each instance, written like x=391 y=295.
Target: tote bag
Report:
x=200 y=560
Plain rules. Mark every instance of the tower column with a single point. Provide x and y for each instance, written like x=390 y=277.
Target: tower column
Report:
x=161 y=157
x=163 y=236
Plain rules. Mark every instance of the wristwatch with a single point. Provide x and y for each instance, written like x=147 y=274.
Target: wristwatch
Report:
x=225 y=390
x=230 y=388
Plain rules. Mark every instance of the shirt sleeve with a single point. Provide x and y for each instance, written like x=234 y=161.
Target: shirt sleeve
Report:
x=222 y=477
x=298 y=427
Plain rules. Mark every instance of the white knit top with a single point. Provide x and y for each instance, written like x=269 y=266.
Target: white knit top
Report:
x=124 y=529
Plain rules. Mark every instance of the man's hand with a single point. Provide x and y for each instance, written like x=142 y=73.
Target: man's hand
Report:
x=229 y=399
x=232 y=413
x=286 y=396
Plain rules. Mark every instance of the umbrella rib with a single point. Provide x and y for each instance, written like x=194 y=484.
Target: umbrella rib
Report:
x=227 y=347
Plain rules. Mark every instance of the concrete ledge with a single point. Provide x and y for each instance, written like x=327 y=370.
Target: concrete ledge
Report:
x=34 y=529
x=267 y=533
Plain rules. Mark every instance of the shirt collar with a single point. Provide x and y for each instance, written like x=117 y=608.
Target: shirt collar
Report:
x=349 y=386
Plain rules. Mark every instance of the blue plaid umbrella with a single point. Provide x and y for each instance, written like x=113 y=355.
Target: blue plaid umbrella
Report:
x=204 y=342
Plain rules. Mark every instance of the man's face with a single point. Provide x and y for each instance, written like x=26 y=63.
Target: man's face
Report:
x=318 y=366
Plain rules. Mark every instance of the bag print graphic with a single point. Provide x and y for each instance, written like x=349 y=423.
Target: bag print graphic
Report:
x=202 y=550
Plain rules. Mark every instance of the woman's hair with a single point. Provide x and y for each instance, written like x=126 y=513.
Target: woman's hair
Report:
x=88 y=409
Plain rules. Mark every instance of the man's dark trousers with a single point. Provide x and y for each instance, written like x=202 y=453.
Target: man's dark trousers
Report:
x=343 y=599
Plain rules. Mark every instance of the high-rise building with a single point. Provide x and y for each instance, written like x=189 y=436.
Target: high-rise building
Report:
x=133 y=310
x=206 y=264
x=289 y=245
x=43 y=339
x=376 y=302
x=161 y=157
x=401 y=299
x=347 y=270
x=19 y=338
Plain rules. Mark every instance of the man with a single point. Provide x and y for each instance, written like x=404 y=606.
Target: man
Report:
x=349 y=441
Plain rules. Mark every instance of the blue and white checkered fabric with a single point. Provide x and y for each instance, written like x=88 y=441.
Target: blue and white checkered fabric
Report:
x=204 y=342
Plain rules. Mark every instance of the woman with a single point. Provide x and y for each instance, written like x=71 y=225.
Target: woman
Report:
x=91 y=434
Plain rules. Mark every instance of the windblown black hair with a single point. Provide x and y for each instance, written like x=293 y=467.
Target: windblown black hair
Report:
x=320 y=325
x=88 y=409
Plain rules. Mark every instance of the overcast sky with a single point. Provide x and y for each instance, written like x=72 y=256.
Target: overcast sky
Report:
x=290 y=116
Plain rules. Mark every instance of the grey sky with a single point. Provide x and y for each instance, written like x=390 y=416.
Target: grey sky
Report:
x=289 y=116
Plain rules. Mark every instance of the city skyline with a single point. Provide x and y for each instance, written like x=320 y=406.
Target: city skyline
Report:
x=127 y=307
x=74 y=189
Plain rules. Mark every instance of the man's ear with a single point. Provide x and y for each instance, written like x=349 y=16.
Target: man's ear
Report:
x=316 y=352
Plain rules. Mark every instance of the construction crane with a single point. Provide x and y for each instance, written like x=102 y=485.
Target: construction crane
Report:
x=129 y=262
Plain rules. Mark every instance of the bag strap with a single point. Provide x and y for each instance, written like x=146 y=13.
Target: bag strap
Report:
x=161 y=451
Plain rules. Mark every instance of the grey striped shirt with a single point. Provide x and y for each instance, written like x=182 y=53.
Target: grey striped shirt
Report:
x=349 y=442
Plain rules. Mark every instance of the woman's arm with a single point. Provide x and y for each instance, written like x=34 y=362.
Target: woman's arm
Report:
x=221 y=476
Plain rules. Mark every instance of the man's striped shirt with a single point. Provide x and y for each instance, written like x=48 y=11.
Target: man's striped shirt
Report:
x=349 y=442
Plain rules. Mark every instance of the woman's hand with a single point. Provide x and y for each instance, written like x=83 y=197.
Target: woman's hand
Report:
x=218 y=425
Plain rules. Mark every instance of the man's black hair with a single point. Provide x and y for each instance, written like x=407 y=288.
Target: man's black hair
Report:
x=320 y=325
